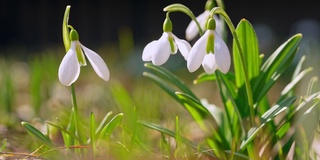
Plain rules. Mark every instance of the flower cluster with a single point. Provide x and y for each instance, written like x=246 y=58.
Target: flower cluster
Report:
x=210 y=50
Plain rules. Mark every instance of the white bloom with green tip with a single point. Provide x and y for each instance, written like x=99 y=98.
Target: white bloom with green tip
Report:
x=217 y=58
x=69 y=69
x=159 y=51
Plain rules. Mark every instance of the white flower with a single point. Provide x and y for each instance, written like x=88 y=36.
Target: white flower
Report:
x=210 y=61
x=192 y=30
x=69 y=68
x=158 y=51
x=215 y=111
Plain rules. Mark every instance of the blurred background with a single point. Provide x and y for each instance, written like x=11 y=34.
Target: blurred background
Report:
x=31 y=50
x=36 y=24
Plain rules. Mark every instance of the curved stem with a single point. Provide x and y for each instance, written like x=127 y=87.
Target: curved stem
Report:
x=182 y=8
x=218 y=10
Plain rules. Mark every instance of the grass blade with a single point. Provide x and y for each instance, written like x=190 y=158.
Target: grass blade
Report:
x=107 y=129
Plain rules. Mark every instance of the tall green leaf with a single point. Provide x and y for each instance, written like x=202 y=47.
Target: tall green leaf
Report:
x=249 y=45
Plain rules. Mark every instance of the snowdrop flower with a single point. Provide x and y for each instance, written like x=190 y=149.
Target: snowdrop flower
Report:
x=192 y=29
x=69 y=68
x=159 y=51
x=210 y=51
x=215 y=111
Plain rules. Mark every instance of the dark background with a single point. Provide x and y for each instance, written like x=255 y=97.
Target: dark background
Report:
x=36 y=24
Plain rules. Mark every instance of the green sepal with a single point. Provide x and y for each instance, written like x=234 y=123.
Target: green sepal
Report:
x=74 y=36
x=167 y=24
x=211 y=24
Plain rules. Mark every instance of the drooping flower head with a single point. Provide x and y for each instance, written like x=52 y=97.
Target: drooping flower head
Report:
x=159 y=51
x=192 y=30
x=210 y=51
x=69 y=69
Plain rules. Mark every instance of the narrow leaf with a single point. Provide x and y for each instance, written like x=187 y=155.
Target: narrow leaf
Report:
x=277 y=109
x=195 y=108
x=274 y=66
x=162 y=84
x=93 y=133
x=107 y=129
x=3 y=145
x=172 y=134
x=103 y=123
x=297 y=79
x=35 y=132
x=168 y=76
x=267 y=117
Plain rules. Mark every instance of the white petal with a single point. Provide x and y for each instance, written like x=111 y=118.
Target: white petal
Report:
x=209 y=63
x=148 y=50
x=197 y=53
x=192 y=29
x=69 y=68
x=184 y=47
x=222 y=54
x=97 y=63
x=203 y=18
x=162 y=50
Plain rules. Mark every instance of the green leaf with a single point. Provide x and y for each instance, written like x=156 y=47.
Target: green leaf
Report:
x=203 y=77
x=274 y=66
x=107 y=129
x=295 y=81
x=103 y=123
x=195 y=108
x=249 y=45
x=93 y=133
x=267 y=117
x=312 y=86
x=65 y=132
x=3 y=145
x=168 y=76
x=35 y=132
x=162 y=84
x=173 y=134
x=283 y=130
x=65 y=137
x=65 y=29
x=277 y=109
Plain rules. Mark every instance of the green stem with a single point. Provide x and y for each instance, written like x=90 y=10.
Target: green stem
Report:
x=182 y=8
x=218 y=10
x=76 y=113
